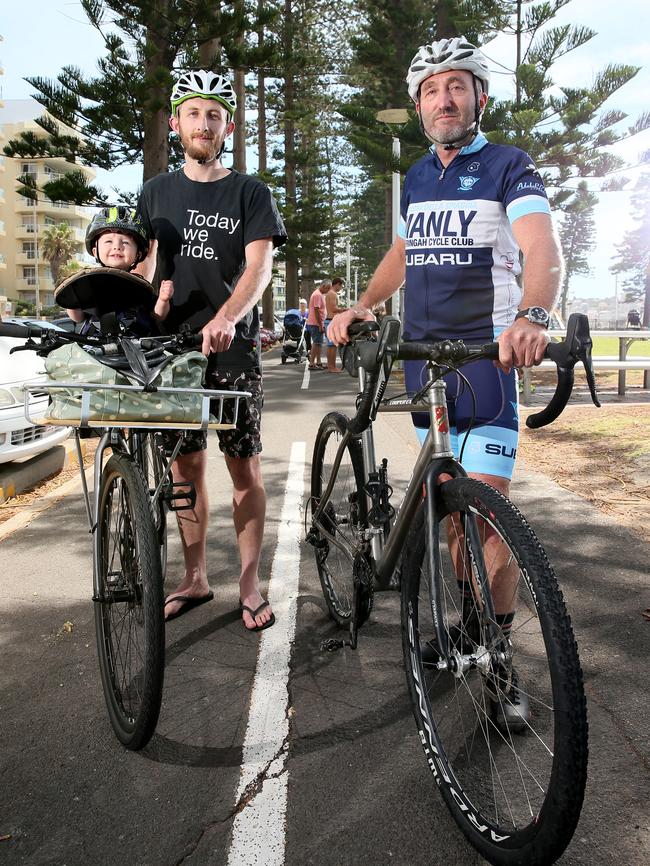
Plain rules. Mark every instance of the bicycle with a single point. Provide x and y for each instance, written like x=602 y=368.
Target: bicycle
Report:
x=515 y=788
x=132 y=493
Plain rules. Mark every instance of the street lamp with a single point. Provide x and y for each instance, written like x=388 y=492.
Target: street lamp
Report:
x=394 y=117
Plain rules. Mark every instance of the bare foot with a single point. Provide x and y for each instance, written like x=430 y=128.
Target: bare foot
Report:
x=188 y=588
x=334 y=370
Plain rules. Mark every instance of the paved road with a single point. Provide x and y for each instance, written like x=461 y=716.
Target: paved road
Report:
x=341 y=758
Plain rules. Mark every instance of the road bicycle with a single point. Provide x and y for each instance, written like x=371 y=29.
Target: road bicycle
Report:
x=514 y=782
x=133 y=491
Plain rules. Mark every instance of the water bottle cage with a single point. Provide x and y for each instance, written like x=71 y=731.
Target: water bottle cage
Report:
x=380 y=492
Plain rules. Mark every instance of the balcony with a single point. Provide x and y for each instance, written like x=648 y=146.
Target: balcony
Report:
x=60 y=211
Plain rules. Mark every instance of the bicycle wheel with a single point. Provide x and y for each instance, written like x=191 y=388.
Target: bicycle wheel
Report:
x=129 y=619
x=344 y=517
x=150 y=459
x=515 y=795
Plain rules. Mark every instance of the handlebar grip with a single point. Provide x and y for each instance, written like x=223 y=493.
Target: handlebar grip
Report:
x=361 y=420
x=558 y=401
x=8 y=329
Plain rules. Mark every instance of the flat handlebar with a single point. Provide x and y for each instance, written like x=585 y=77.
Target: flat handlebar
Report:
x=454 y=353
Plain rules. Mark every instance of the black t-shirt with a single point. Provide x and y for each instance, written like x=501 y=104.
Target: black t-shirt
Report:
x=202 y=230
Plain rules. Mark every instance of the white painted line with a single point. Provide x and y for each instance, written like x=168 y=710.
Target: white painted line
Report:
x=305 y=378
x=258 y=835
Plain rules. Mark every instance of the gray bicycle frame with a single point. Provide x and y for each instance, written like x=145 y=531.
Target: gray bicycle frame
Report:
x=436 y=445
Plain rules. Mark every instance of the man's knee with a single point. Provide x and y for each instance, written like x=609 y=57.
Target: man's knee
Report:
x=246 y=472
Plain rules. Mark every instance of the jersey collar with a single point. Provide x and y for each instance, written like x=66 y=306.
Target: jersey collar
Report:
x=479 y=142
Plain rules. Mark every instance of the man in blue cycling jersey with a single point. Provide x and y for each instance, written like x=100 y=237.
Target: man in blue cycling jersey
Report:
x=471 y=211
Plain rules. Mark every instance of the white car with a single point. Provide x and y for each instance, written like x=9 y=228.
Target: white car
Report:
x=19 y=438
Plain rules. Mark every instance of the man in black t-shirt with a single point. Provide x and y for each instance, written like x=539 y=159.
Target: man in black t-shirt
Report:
x=215 y=231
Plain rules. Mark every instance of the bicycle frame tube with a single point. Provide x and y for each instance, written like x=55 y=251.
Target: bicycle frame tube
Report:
x=437 y=446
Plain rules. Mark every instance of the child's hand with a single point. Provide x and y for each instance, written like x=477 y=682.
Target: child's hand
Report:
x=166 y=291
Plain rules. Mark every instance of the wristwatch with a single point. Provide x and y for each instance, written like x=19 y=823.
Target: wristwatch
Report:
x=536 y=315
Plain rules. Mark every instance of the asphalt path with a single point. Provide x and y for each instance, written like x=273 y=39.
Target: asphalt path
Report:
x=269 y=751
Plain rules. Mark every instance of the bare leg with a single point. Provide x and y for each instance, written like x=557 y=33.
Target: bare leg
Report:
x=331 y=360
x=249 y=509
x=193 y=527
x=503 y=581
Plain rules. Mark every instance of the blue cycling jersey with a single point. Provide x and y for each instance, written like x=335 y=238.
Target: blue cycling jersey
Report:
x=462 y=260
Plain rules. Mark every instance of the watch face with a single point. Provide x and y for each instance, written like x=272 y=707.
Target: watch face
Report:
x=538 y=315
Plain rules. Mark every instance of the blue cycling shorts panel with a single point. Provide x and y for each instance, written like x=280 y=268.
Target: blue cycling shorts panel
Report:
x=490 y=446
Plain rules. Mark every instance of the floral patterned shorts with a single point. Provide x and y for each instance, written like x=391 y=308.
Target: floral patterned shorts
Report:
x=242 y=441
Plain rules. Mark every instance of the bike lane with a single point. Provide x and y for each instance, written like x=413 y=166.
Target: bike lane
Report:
x=352 y=784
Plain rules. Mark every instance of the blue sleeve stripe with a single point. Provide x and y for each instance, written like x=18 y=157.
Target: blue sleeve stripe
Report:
x=528 y=204
x=401 y=227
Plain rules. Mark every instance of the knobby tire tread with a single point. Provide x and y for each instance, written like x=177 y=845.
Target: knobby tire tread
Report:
x=335 y=424
x=543 y=842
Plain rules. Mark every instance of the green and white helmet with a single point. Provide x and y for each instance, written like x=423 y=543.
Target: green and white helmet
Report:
x=444 y=56
x=207 y=85
x=119 y=218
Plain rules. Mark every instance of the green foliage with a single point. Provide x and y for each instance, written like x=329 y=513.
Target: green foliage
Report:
x=577 y=236
x=633 y=253
x=58 y=246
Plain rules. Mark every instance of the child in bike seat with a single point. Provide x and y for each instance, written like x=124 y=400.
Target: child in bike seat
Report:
x=117 y=239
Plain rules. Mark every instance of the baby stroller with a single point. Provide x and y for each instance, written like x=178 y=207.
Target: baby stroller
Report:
x=294 y=345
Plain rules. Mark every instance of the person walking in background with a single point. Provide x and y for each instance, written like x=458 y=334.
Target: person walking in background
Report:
x=316 y=324
x=331 y=309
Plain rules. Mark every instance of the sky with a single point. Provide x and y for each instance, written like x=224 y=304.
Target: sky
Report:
x=63 y=37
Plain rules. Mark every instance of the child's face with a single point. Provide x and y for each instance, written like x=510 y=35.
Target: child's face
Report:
x=116 y=250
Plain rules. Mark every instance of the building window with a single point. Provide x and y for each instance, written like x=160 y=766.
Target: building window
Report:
x=50 y=221
x=29 y=168
x=29 y=275
x=29 y=249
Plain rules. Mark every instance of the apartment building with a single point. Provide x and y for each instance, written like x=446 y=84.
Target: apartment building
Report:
x=26 y=274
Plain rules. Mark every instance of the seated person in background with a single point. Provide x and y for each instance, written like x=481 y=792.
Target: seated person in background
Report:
x=117 y=239
x=633 y=319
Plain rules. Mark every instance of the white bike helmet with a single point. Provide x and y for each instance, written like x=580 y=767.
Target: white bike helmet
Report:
x=443 y=56
x=207 y=85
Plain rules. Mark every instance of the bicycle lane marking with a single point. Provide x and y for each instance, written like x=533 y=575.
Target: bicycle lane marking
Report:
x=305 y=378
x=258 y=830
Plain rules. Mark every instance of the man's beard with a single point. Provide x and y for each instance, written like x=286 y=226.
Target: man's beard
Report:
x=203 y=149
x=449 y=134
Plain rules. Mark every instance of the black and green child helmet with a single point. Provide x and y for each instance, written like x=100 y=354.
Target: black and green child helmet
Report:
x=118 y=218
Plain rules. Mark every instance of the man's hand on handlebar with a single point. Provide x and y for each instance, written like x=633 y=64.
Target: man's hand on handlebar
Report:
x=338 y=327
x=522 y=345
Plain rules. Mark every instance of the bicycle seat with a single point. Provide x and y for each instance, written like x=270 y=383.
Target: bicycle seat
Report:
x=104 y=290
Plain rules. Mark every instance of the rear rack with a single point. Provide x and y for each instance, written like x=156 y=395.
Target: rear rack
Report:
x=211 y=399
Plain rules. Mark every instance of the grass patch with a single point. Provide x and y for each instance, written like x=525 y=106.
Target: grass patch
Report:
x=604 y=346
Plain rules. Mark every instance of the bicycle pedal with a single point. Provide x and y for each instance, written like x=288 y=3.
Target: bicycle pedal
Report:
x=181 y=492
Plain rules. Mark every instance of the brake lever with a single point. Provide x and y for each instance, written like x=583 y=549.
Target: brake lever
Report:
x=575 y=347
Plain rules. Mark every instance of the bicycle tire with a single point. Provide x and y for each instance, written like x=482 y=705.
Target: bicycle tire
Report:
x=345 y=516
x=129 y=615
x=151 y=462
x=516 y=796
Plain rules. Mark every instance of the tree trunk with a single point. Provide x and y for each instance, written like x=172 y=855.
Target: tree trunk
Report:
x=268 y=298
x=331 y=239
x=261 y=103
x=210 y=53
x=289 y=154
x=155 y=150
x=444 y=25
x=239 y=136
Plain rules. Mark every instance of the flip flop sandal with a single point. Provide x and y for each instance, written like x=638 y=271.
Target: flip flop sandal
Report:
x=189 y=603
x=254 y=613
